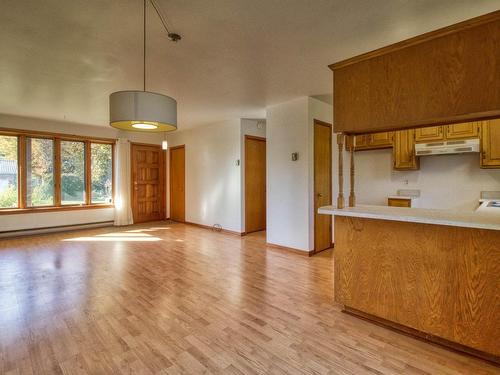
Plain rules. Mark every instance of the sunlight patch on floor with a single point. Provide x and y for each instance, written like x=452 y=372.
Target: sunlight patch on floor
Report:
x=116 y=237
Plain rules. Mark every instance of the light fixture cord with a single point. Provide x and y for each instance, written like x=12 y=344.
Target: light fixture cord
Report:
x=158 y=12
x=144 y=48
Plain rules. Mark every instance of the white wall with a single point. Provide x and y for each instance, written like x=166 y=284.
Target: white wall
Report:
x=248 y=127
x=445 y=181
x=213 y=181
x=290 y=210
x=76 y=217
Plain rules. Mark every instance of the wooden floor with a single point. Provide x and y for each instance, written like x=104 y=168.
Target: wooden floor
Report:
x=177 y=299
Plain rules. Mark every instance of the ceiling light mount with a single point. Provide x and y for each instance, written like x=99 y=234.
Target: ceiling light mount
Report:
x=174 y=37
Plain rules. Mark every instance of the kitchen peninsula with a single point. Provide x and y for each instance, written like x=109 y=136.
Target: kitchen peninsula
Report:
x=430 y=273
x=433 y=273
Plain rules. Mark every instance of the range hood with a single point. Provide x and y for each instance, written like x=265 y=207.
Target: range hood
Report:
x=447 y=147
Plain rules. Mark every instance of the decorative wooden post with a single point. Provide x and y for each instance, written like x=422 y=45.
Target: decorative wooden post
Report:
x=340 y=198
x=351 y=141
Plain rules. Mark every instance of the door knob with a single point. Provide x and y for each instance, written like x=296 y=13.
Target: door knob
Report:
x=320 y=195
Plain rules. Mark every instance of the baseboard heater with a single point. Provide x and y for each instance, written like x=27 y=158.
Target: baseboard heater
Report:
x=60 y=228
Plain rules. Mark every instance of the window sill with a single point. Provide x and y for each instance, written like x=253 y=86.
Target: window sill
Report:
x=14 y=211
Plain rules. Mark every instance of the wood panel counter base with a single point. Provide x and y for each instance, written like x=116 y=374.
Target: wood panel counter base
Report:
x=436 y=279
x=421 y=335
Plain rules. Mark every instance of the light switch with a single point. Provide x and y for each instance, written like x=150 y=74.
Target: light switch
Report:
x=295 y=156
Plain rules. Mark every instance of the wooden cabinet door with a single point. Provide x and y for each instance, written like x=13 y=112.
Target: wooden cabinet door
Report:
x=433 y=133
x=380 y=140
x=399 y=202
x=362 y=142
x=490 y=144
x=462 y=131
x=404 y=150
x=374 y=141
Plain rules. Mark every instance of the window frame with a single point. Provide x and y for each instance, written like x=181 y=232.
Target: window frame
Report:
x=89 y=172
x=85 y=171
x=24 y=176
x=18 y=173
x=22 y=136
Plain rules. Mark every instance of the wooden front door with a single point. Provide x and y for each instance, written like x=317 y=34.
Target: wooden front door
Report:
x=322 y=184
x=177 y=184
x=148 y=182
x=255 y=184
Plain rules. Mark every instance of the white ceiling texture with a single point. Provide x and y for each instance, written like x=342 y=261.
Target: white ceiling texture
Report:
x=60 y=59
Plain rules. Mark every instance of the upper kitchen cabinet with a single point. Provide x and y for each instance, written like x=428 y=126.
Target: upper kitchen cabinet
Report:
x=465 y=130
x=381 y=140
x=432 y=79
x=462 y=131
x=404 y=157
x=429 y=134
x=374 y=141
x=362 y=142
x=490 y=144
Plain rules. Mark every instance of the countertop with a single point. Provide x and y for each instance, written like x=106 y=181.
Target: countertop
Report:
x=466 y=219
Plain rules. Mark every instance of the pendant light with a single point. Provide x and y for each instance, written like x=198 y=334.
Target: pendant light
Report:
x=143 y=110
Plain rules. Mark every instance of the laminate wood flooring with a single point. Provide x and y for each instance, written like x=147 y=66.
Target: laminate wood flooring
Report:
x=177 y=299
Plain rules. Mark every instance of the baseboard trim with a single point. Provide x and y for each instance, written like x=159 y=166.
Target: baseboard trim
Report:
x=290 y=249
x=60 y=228
x=320 y=251
x=226 y=231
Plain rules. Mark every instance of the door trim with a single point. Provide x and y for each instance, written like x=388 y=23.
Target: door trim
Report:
x=255 y=138
x=322 y=123
x=162 y=185
x=170 y=179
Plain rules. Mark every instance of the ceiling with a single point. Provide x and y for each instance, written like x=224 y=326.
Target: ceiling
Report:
x=61 y=59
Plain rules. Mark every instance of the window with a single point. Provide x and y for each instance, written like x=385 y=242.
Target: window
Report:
x=45 y=171
x=72 y=172
x=8 y=172
x=102 y=173
x=39 y=172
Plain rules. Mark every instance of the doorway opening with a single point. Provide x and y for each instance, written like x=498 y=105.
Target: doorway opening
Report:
x=148 y=182
x=178 y=183
x=322 y=184
x=255 y=183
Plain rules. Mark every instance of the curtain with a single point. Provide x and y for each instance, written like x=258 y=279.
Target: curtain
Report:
x=123 y=204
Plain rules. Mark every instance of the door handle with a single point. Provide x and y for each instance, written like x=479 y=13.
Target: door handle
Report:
x=320 y=195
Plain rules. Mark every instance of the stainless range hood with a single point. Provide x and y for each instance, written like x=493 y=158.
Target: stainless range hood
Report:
x=447 y=147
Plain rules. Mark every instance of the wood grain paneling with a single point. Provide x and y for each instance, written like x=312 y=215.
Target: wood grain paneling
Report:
x=255 y=184
x=436 y=279
x=439 y=78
